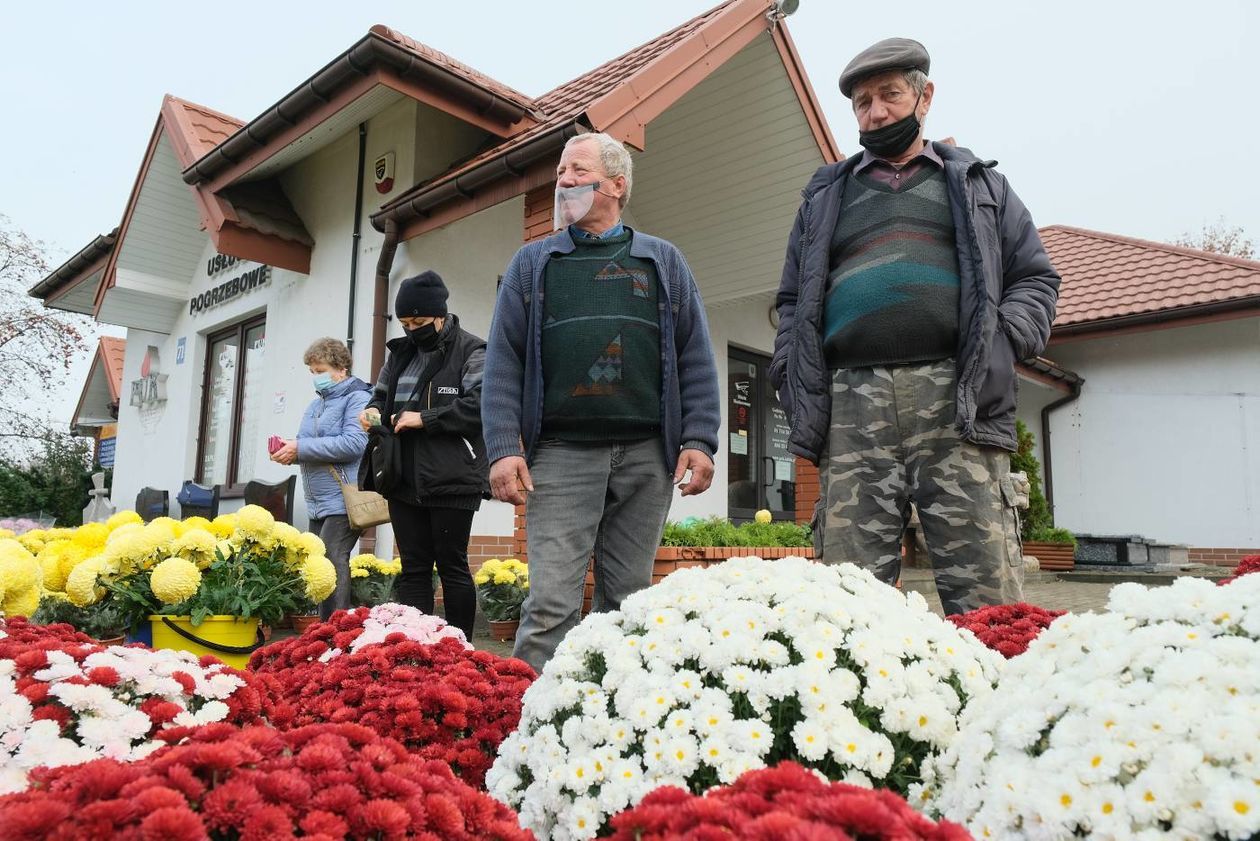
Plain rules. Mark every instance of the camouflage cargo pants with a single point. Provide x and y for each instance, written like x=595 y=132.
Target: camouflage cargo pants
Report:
x=892 y=442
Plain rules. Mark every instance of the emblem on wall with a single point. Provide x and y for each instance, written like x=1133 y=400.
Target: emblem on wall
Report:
x=383 y=171
x=148 y=394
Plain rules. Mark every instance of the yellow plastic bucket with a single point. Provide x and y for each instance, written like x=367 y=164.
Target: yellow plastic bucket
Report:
x=229 y=638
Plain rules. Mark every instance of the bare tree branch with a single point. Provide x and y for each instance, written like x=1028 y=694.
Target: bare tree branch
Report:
x=1220 y=238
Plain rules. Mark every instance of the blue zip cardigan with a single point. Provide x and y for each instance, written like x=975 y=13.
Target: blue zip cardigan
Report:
x=512 y=394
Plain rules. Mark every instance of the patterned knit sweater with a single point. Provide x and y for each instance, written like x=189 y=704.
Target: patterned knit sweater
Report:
x=601 y=343
x=892 y=292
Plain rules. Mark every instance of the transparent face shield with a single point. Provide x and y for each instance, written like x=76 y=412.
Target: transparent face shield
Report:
x=572 y=204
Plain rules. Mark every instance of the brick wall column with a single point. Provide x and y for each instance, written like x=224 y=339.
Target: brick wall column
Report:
x=807 y=490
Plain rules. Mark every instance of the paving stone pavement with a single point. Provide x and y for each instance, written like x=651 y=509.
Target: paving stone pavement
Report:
x=1044 y=589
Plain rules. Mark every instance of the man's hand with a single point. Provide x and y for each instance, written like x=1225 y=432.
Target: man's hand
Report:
x=407 y=420
x=510 y=480
x=701 y=467
x=286 y=454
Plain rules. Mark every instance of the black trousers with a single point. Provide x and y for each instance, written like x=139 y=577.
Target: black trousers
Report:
x=428 y=536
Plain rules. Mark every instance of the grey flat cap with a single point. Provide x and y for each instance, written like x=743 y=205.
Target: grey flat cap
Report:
x=888 y=54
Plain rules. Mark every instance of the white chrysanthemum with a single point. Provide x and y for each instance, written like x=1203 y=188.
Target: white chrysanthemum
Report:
x=1140 y=722
x=718 y=671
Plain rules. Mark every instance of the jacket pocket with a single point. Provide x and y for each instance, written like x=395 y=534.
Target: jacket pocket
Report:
x=997 y=394
x=1014 y=547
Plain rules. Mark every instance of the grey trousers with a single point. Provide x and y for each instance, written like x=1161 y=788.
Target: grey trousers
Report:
x=892 y=442
x=339 y=540
x=607 y=499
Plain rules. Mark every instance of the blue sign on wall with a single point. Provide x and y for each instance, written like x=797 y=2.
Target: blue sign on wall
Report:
x=106 y=451
x=179 y=350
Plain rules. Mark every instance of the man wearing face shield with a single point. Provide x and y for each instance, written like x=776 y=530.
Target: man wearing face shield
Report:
x=601 y=395
x=428 y=394
x=914 y=281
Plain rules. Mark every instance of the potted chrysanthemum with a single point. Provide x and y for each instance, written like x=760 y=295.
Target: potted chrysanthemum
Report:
x=502 y=586
x=372 y=580
x=206 y=588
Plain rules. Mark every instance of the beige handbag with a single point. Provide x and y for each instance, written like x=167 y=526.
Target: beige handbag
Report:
x=364 y=509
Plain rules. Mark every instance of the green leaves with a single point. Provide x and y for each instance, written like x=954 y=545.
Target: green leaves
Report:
x=716 y=531
x=501 y=602
x=247 y=583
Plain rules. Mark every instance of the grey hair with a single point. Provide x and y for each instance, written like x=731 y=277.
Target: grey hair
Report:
x=613 y=157
x=916 y=79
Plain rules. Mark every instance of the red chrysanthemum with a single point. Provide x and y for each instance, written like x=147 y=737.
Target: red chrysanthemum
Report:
x=1247 y=566
x=172 y=824
x=1006 y=628
x=441 y=700
x=772 y=804
x=353 y=784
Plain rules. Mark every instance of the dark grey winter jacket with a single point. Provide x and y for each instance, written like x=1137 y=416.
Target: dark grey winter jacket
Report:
x=1005 y=307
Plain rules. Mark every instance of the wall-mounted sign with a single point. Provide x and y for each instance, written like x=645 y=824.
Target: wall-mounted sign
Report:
x=150 y=390
x=229 y=289
x=180 y=347
x=221 y=263
x=383 y=172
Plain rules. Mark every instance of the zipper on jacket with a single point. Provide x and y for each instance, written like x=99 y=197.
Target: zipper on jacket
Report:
x=471 y=452
x=796 y=324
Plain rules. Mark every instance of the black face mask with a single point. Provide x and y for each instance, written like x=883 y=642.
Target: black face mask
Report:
x=425 y=338
x=891 y=140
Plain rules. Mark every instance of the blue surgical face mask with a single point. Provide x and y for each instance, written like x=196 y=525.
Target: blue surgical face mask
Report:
x=322 y=381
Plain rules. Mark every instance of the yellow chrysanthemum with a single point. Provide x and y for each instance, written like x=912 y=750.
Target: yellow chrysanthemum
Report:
x=91 y=535
x=161 y=533
x=19 y=570
x=360 y=572
x=81 y=586
x=123 y=518
x=194 y=523
x=320 y=576
x=6 y=534
x=504 y=577
x=253 y=522
x=175 y=580
x=393 y=567
x=310 y=545
x=21 y=602
x=123 y=531
x=131 y=551
x=363 y=561
x=481 y=577
x=58 y=559
x=223 y=526
x=196 y=545
x=32 y=541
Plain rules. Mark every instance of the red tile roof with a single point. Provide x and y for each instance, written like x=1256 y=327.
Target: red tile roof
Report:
x=200 y=129
x=457 y=67
x=1108 y=276
x=569 y=101
x=111 y=353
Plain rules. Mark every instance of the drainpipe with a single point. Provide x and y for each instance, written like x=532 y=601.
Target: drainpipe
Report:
x=380 y=314
x=1046 y=462
x=356 y=237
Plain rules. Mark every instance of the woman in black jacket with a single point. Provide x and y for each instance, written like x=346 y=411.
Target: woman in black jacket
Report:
x=428 y=395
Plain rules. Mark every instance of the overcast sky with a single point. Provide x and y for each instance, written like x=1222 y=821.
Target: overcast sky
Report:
x=1127 y=117
x=1133 y=118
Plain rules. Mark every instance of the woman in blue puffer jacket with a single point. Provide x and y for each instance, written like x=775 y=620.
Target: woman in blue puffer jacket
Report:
x=330 y=440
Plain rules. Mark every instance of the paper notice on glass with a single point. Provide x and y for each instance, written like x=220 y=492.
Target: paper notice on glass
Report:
x=739 y=444
x=783 y=470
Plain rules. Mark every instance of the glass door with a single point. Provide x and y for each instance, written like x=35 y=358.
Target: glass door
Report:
x=761 y=473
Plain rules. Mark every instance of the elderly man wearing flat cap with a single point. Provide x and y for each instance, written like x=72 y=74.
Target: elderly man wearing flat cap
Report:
x=914 y=281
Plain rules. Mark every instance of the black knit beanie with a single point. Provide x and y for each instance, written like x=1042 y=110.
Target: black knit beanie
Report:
x=421 y=296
